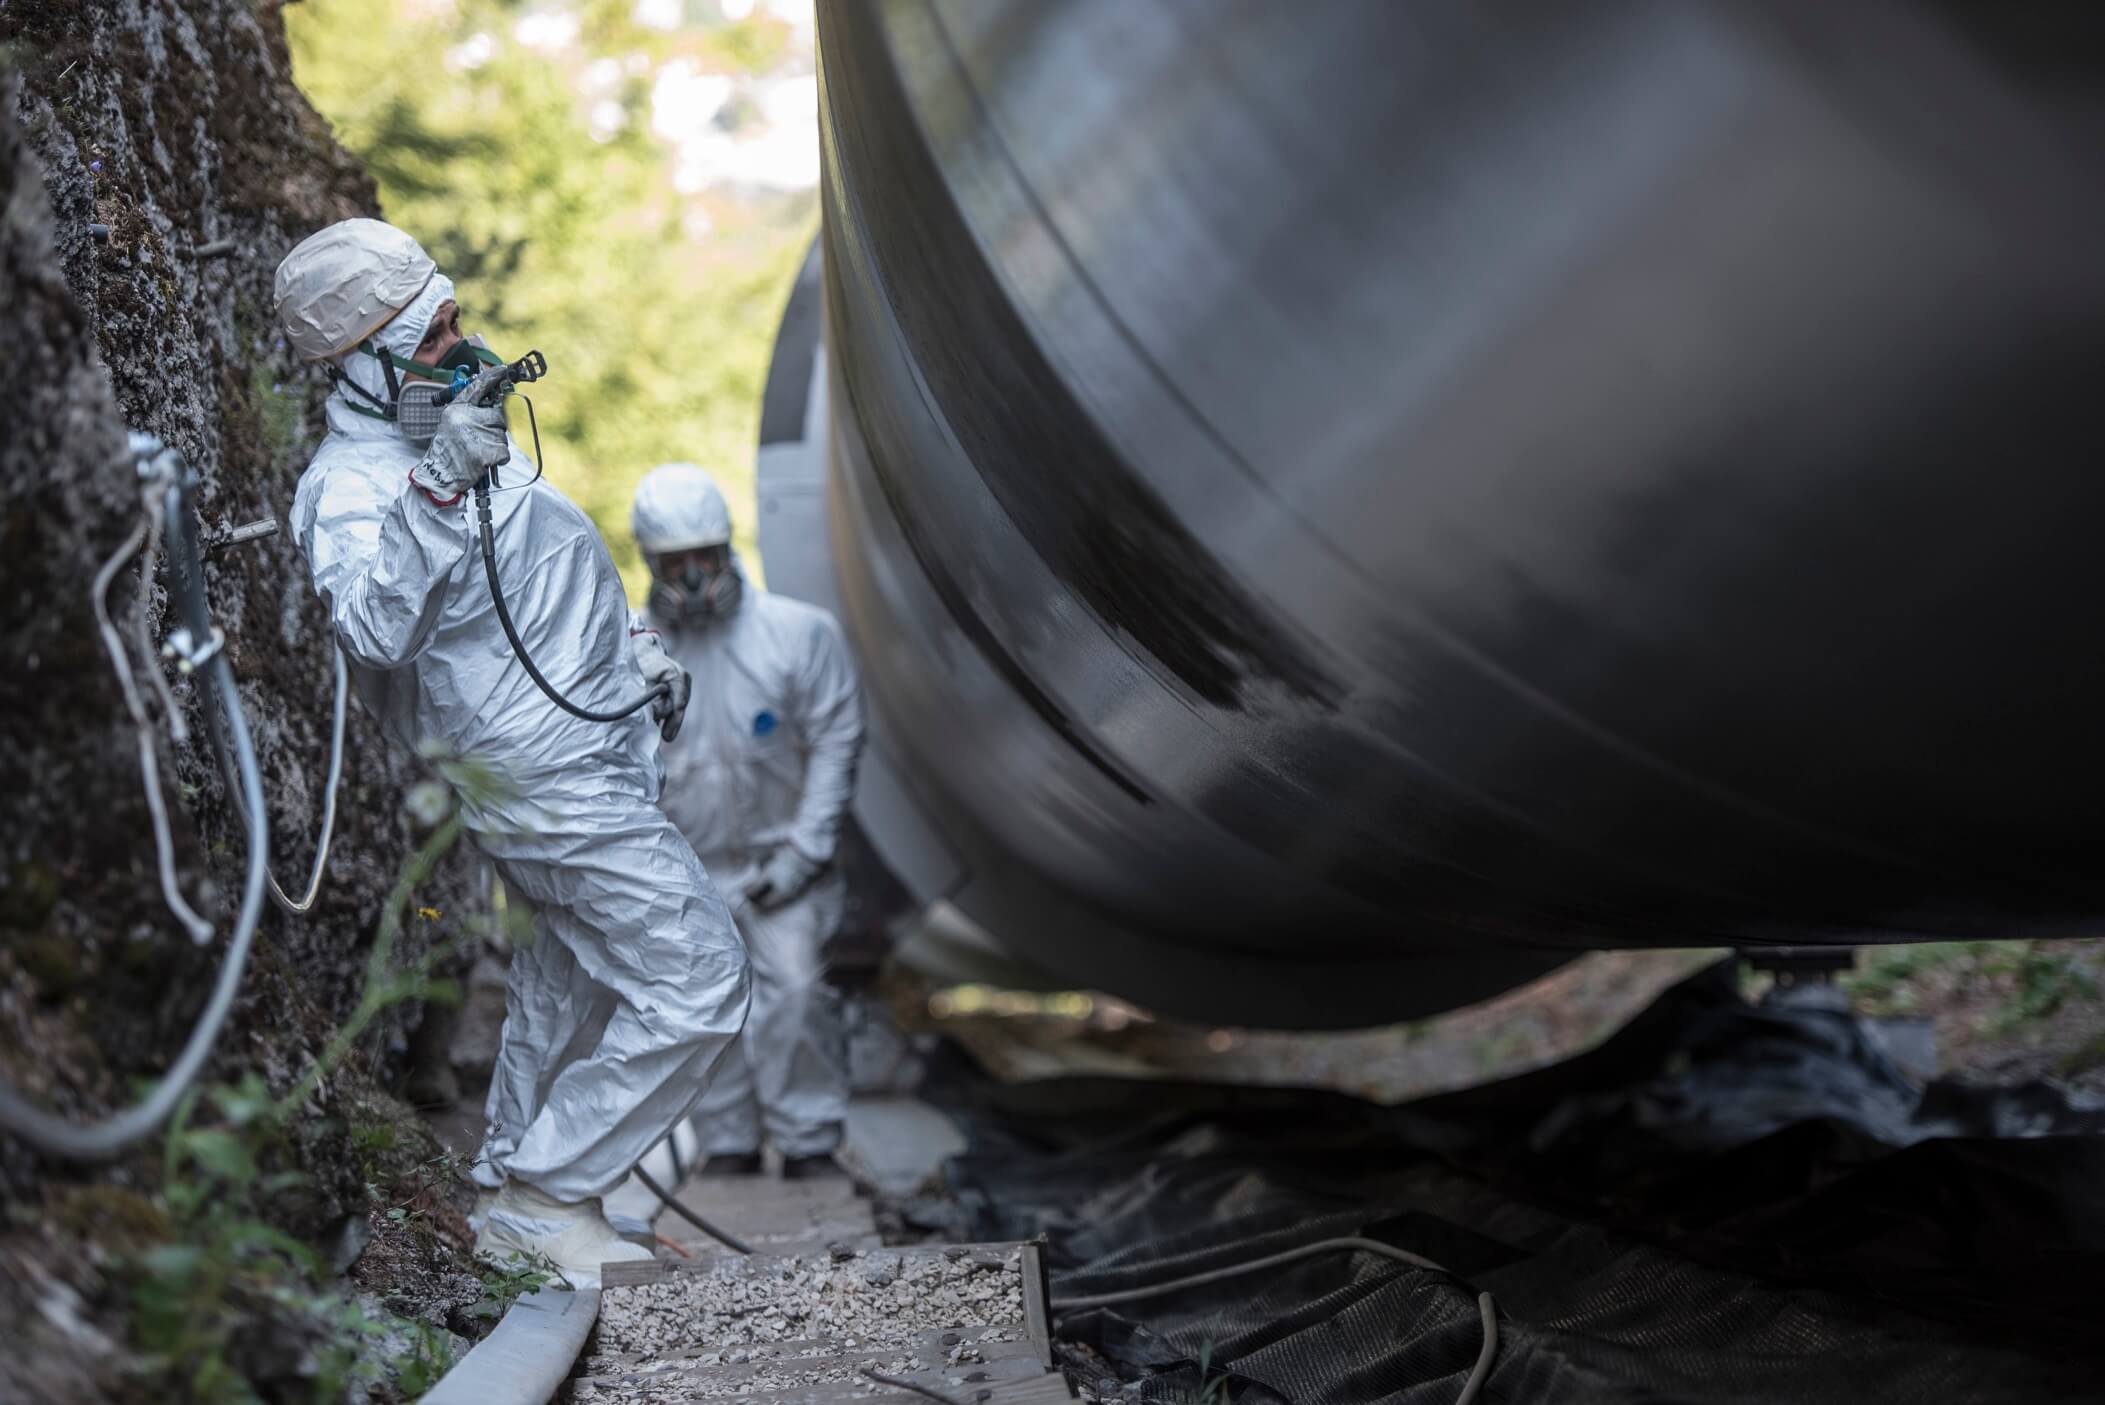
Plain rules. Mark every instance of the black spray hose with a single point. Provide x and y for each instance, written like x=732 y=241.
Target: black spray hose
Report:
x=104 y=1140
x=511 y=631
x=665 y=1198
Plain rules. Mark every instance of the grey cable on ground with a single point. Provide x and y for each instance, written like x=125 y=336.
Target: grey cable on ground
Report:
x=1485 y=1307
x=665 y=1198
x=103 y=1140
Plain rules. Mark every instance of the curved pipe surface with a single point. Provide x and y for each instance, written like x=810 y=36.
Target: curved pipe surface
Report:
x=1343 y=507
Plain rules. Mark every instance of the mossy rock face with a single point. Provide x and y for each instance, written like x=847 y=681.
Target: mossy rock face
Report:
x=118 y=1218
x=171 y=125
x=57 y=967
x=174 y=124
x=32 y=890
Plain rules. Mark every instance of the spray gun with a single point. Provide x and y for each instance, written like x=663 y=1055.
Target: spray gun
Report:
x=420 y=403
x=526 y=370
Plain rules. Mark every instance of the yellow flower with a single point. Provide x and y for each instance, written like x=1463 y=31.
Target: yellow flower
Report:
x=429 y=914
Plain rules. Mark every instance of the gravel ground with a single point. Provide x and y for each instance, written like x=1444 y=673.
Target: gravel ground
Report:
x=736 y=1327
x=785 y=1366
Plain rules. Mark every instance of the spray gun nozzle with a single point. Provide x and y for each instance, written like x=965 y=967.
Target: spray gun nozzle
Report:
x=527 y=369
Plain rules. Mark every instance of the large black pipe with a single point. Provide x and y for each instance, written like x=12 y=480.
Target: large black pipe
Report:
x=1342 y=506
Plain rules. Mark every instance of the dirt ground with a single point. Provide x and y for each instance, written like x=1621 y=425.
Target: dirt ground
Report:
x=2000 y=1012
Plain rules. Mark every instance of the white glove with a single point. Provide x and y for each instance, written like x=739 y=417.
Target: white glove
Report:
x=785 y=874
x=469 y=443
x=668 y=710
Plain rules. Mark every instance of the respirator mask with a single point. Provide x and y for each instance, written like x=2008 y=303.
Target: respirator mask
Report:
x=696 y=594
x=414 y=406
x=418 y=404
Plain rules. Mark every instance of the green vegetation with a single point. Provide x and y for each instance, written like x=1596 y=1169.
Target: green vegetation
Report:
x=503 y=1286
x=226 y=1279
x=2024 y=982
x=227 y=1305
x=1882 y=983
x=562 y=229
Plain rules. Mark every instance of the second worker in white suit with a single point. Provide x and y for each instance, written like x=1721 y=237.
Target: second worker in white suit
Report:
x=759 y=780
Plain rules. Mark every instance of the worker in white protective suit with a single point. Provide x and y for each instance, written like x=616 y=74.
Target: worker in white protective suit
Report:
x=634 y=983
x=759 y=780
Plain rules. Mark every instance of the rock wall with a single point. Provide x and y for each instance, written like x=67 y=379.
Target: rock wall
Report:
x=156 y=162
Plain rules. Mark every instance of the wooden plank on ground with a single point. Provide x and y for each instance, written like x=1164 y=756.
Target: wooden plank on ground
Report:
x=1048 y=1389
x=1037 y=1314
x=638 y=1272
x=719 y=1381
x=984 y=1338
x=771 y=1216
x=959 y=1383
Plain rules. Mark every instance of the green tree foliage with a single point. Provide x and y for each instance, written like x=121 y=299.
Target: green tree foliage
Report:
x=567 y=236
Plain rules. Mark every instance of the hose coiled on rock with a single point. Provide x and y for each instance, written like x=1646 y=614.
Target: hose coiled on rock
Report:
x=169 y=485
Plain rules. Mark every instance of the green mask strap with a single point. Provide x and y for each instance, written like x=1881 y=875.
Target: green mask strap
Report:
x=389 y=364
x=418 y=368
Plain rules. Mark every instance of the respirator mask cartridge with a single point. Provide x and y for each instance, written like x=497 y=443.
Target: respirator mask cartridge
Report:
x=419 y=403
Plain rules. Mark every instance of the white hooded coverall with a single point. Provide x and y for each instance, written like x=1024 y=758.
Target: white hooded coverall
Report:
x=635 y=982
x=767 y=756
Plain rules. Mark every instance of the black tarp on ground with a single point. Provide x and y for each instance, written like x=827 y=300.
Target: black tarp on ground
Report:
x=1723 y=1203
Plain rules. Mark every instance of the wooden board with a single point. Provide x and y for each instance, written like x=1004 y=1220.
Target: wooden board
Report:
x=1037 y=1315
x=796 y=1219
x=1032 y=1388
x=609 y=1365
x=636 y=1272
x=772 y=1216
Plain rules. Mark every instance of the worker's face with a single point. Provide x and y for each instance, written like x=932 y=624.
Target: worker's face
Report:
x=440 y=337
x=702 y=561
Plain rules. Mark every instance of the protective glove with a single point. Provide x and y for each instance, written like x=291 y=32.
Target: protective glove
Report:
x=785 y=874
x=469 y=443
x=670 y=709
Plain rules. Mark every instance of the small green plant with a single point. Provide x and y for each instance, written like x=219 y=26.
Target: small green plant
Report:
x=1884 y=985
x=370 y=1143
x=225 y=1270
x=504 y=1285
x=227 y=1287
x=429 y=1356
x=2043 y=979
x=2029 y=980
x=1213 y=1389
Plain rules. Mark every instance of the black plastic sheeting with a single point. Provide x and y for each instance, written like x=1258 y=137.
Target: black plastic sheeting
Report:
x=1722 y=1203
